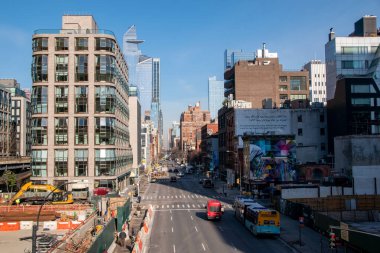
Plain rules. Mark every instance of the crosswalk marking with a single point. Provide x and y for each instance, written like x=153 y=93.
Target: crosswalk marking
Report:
x=193 y=205
x=176 y=196
x=188 y=205
x=183 y=206
x=178 y=206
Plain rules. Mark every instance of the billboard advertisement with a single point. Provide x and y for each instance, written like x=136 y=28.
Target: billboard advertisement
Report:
x=258 y=121
x=272 y=158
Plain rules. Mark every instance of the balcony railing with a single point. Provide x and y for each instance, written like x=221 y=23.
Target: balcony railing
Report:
x=73 y=31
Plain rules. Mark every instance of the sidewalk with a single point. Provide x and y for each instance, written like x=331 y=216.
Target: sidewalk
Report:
x=311 y=240
x=227 y=194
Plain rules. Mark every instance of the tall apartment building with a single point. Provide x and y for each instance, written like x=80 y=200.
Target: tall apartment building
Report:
x=263 y=79
x=146 y=139
x=135 y=124
x=317 y=81
x=215 y=96
x=191 y=121
x=21 y=117
x=355 y=55
x=7 y=128
x=80 y=113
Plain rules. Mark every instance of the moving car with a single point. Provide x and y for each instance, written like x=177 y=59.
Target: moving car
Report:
x=207 y=183
x=214 y=209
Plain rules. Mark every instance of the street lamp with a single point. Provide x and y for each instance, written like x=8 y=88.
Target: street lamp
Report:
x=35 y=227
x=240 y=172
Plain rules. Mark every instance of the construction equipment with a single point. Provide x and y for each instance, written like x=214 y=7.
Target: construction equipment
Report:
x=58 y=196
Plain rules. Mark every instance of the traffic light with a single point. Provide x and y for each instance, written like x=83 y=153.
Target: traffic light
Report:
x=332 y=240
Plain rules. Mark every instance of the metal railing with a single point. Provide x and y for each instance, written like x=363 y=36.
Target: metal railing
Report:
x=73 y=31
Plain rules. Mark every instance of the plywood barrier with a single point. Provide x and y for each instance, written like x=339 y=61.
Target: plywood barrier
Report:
x=26 y=225
x=12 y=226
x=74 y=224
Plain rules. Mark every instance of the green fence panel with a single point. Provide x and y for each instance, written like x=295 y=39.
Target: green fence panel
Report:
x=105 y=239
x=123 y=213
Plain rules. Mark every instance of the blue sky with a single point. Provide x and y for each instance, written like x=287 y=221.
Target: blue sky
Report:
x=189 y=36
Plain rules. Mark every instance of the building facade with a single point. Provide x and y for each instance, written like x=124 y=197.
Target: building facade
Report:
x=7 y=127
x=232 y=56
x=135 y=125
x=215 y=96
x=355 y=55
x=264 y=83
x=191 y=121
x=174 y=135
x=80 y=112
x=317 y=81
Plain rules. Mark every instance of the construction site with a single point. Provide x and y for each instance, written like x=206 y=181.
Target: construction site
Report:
x=64 y=223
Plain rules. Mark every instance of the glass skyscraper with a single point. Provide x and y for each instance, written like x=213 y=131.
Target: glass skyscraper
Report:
x=215 y=96
x=131 y=52
x=233 y=56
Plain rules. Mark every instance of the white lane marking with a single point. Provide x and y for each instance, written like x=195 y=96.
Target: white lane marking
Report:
x=188 y=196
x=199 y=206
x=172 y=230
x=180 y=197
x=196 y=229
x=191 y=217
x=203 y=246
x=176 y=196
x=177 y=206
x=167 y=196
x=173 y=248
x=163 y=206
x=193 y=205
x=171 y=218
x=188 y=205
x=196 y=196
x=183 y=206
x=167 y=206
x=192 y=196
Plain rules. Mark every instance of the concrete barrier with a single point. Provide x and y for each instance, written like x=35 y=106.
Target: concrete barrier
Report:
x=50 y=225
x=26 y=225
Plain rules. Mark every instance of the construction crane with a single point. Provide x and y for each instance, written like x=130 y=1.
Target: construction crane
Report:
x=59 y=197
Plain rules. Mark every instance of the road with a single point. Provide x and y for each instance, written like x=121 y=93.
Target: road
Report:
x=180 y=223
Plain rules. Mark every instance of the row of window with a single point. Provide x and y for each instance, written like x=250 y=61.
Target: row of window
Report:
x=319 y=92
x=5 y=100
x=317 y=100
x=296 y=83
x=355 y=64
x=104 y=68
x=108 y=131
x=81 y=44
x=321 y=118
x=293 y=97
x=358 y=50
x=107 y=162
x=319 y=84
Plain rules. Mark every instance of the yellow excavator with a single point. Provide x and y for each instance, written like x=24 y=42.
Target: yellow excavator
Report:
x=59 y=197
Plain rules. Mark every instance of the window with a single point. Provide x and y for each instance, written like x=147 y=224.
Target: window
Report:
x=315 y=92
x=40 y=44
x=81 y=162
x=321 y=118
x=105 y=99
x=61 y=131
x=105 y=44
x=105 y=68
x=298 y=83
x=316 y=99
x=296 y=96
x=299 y=131
x=81 y=131
x=104 y=131
x=61 y=68
x=60 y=169
x=322 y=131
x=323 y=146
x=354 y=64
x=81 y=68
x=355 y=50
x=40 y=68
x=39 y=163
x=299 y=118
x=283 y=97
x=81 y=44
x=39 y=131
x=105 y=162
x=81 y=99
x=39 y=99
x=362 y=88
x=283 y=79
x=61 y=99
x=361 y=101
x=283 y=87
x=61 y=44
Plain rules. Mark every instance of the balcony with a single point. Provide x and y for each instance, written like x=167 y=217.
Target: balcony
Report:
x=73 y=31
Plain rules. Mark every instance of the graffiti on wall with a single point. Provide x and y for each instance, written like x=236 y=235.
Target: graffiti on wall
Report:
x=272 y=159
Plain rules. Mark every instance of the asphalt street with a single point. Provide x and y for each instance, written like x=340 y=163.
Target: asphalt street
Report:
x=180 y=223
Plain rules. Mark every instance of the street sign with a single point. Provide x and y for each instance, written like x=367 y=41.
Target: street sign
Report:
x=344 y=231
x=301 y=220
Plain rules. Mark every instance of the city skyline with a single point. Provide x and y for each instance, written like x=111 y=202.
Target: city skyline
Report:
x=177 y=44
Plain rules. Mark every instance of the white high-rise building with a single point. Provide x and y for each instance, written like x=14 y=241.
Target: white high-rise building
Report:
x=317 y=79
x=355 y=55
